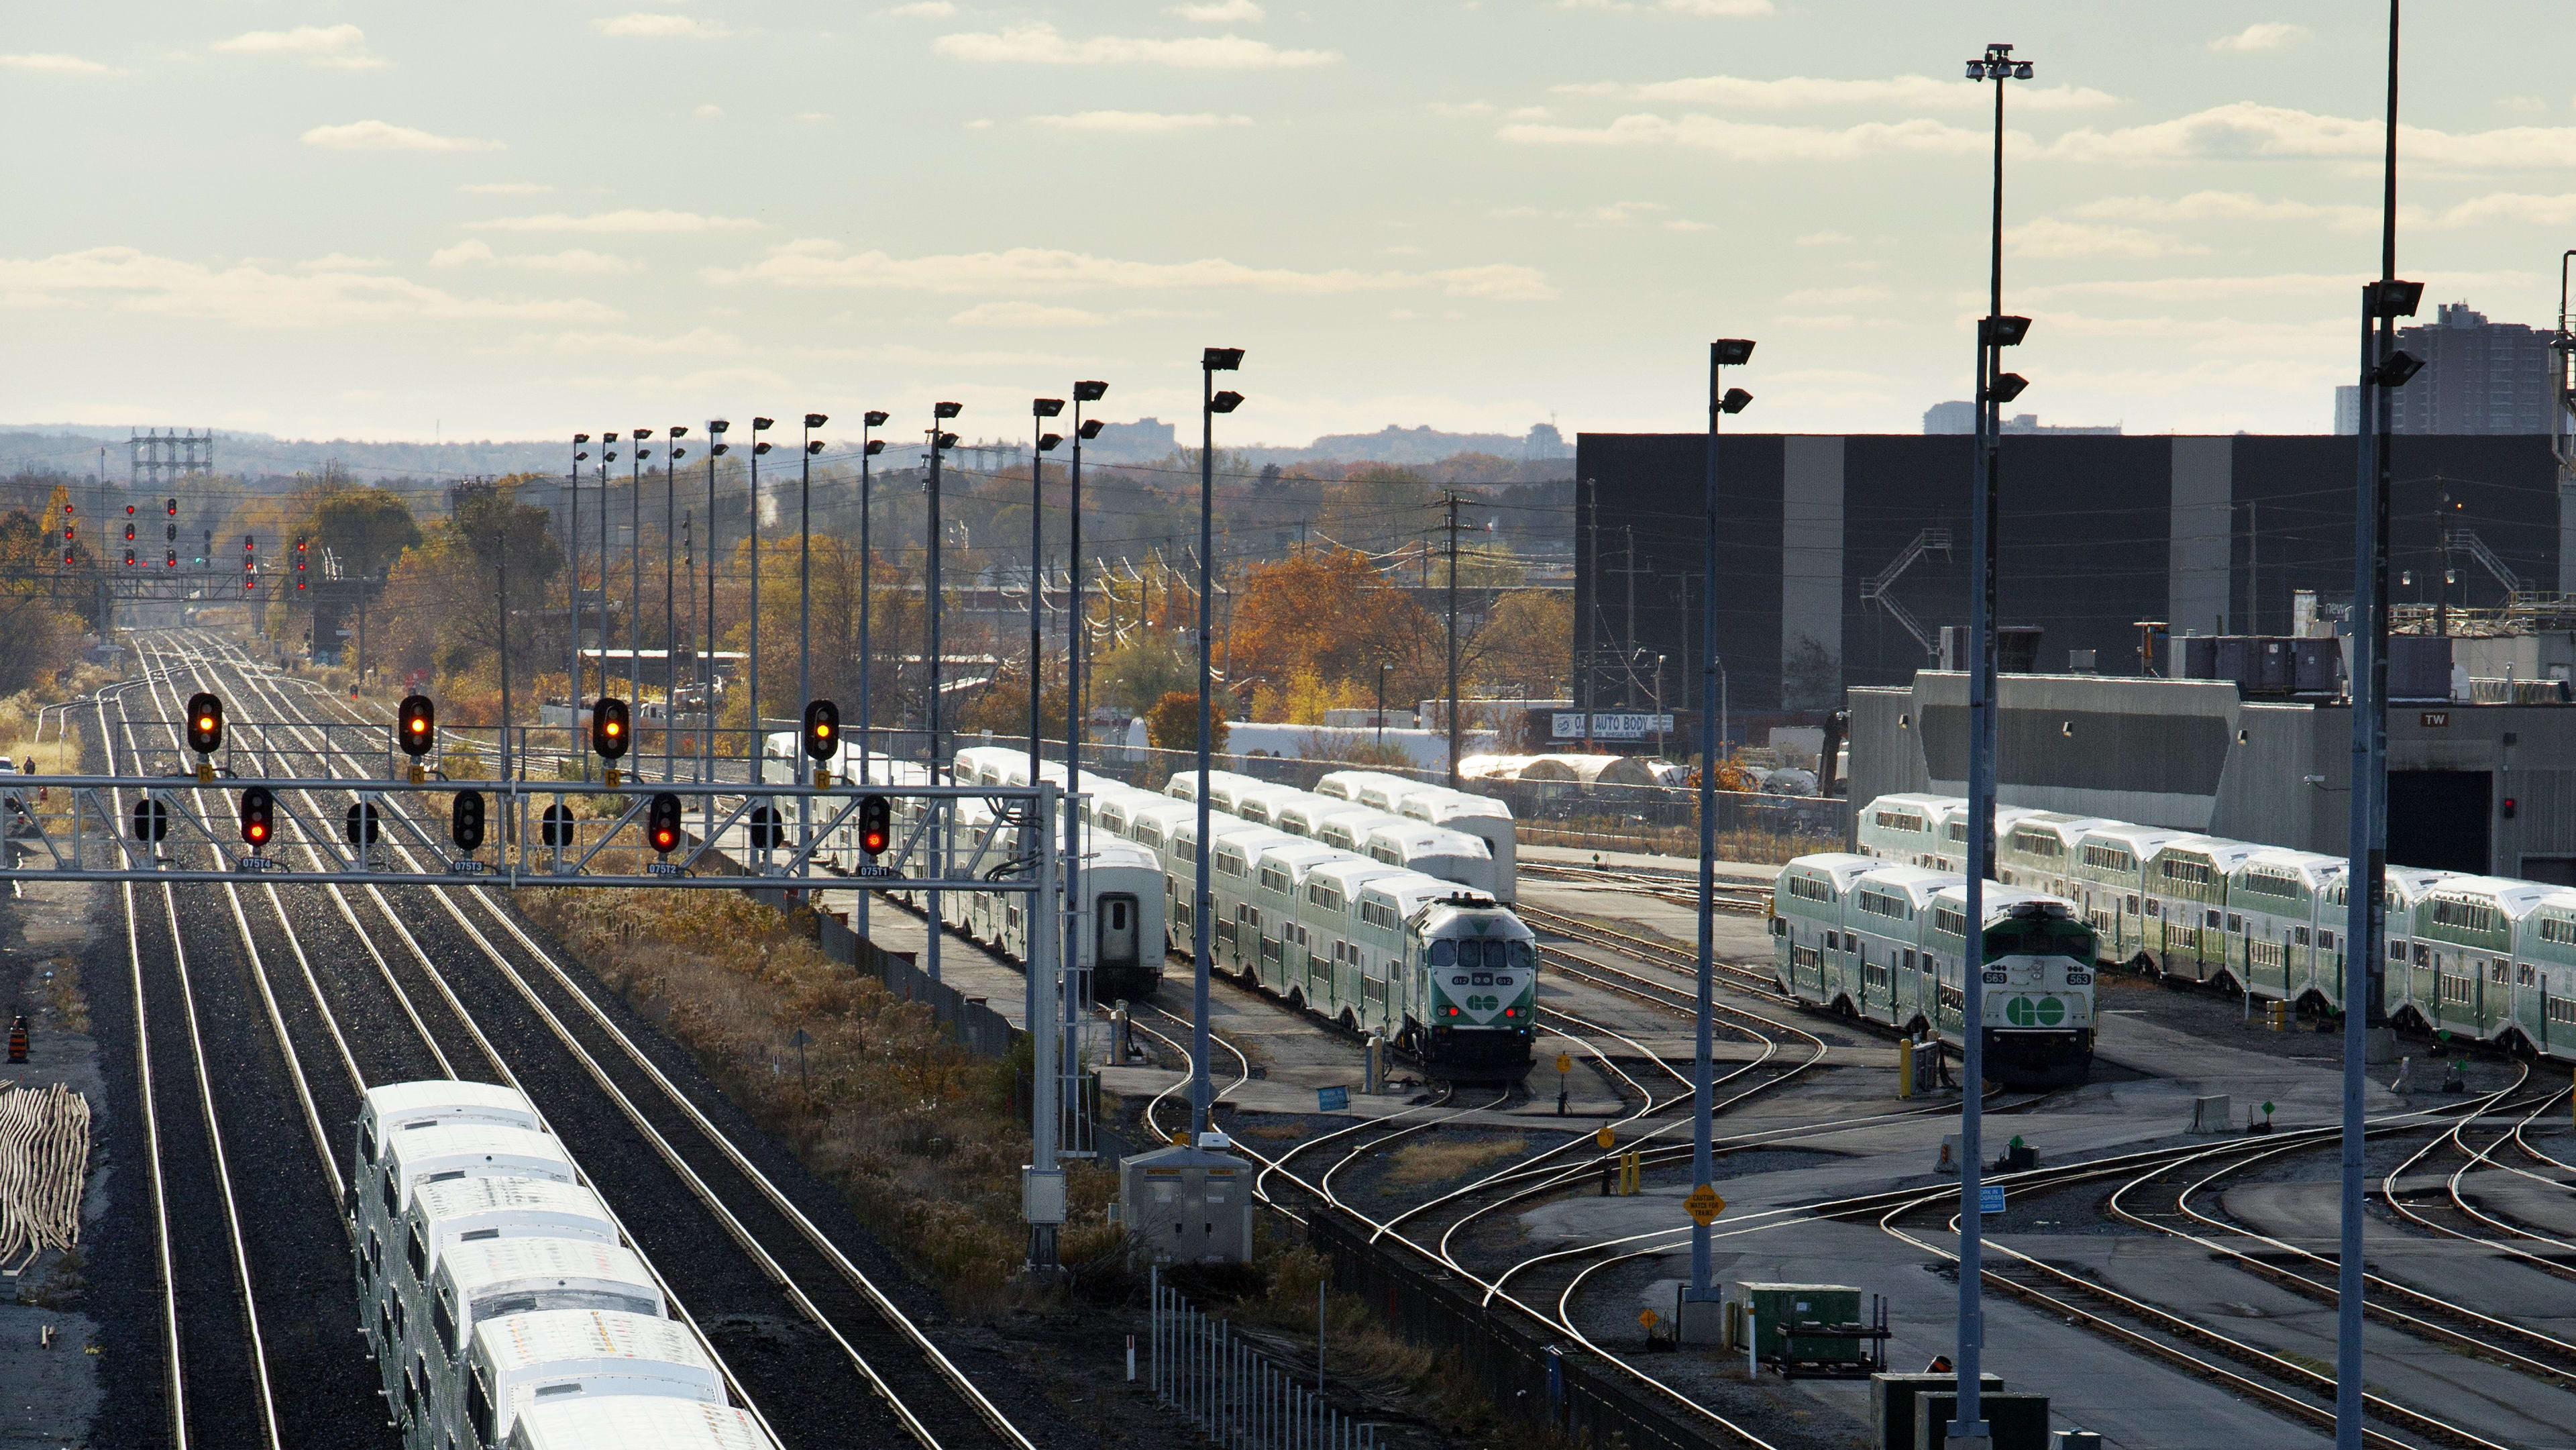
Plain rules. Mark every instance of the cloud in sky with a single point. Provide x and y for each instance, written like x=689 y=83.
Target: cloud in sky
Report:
x=935 y=9
x=2262 y=35
x=1798 y=92
x=615 y=223
x=1042 y=44
x=131 y=280
x=823 y=263
x=474 y=251
x=2051 y=237
x=2248 y=130
x=332 y=47
x=505 y=188
x=1763 y=142
x=1728 y=8
x=1217 y=12
x=648 y=26
x=2228 y=206
x=697 y=342
x=1025 y=314
x=60 y=65
x=386 y=136
x=1135 y=122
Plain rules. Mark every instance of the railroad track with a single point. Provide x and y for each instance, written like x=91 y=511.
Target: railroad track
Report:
x=473 y=992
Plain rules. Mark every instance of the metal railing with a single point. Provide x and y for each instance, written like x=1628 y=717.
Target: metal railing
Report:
x=1238 y=1397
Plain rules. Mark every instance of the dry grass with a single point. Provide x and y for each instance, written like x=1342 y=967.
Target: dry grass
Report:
x=1437 y=1160
x=916 y=1133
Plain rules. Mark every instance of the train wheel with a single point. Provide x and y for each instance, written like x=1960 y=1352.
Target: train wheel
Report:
x=1349 y=1020
x=1297 y=998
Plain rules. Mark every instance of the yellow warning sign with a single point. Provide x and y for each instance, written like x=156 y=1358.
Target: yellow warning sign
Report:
x=1605 y=1137
x=1565 y=1062
x=1704 y=1205
x=1649 y=1318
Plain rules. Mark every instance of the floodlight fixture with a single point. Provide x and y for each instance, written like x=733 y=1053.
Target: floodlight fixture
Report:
x=719 y=425
x=763 y=425
x=581 y=438
x=946 y=410
x=1221 y=359
x=2395 y=372
x=759 y=448
x=1045 y=407
x=813 y=446
x=875 y=418
x=1089 y=430
x=677 y=430
x=640 y=434
x=1731 y=352
x=1048 y=441
x=875 y=447
x=1090 y=392
x=943 y=440
x=2003 y=331
x=1225 y=402
x=2393 y=298
x=816 y=420
x=2006 y=387
x=1734 y=401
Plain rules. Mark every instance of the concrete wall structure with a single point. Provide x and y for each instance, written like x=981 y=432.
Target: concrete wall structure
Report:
x=2193 y=755
x=2207 y=534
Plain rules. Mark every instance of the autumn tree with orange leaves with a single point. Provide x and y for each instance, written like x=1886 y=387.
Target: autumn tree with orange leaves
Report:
x=1327 y=614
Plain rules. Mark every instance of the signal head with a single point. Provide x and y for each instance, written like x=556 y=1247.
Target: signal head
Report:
x=662 y=822
x=258 y=808
x=416 y=725
x=876 y=824
x=205 y=722
x=822 y=729
x=465 y=821
x=608 y=727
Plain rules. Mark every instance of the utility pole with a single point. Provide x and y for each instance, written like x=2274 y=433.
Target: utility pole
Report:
x=716 y=448
x=501 y=587
x=2365 y=1022
x=670 y=602
x=635 y=572
x=1590 y=650
x=940 y=413
x=1452 y=502
x=759 y=745
x=572 y=606
x=1075 y=717
x=869 y=448
x=1211 y=402
x=607 y=632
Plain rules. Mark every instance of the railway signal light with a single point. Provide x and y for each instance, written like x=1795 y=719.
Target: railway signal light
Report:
x=876 y=825
x=608 y=733
x=768 y=832
x=360 y=825
x=299 y=565
x=465 y=821
x=129 y=511
x=169 y=533
x=258 y=809
x=174 y=508
x=129 y=558
x=822 y=736
x=151 y=820
x=662 y=822
x=554 y=828
x=416 y=725
x=129 y=530
x=205 y=722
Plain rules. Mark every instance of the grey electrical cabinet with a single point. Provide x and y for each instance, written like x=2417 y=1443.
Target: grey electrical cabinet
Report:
x=1186 y=1206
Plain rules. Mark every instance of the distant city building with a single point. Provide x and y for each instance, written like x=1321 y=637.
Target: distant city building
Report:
x=2479 y=378
x=1143 y=439
x=1545 y=442
x=1960 y=416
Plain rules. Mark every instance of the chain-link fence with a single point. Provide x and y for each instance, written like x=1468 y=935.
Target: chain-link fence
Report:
x=1237 y=1396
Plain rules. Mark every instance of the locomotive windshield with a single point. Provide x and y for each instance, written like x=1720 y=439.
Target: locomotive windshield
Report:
x=1491 y=954
x=2040 y=936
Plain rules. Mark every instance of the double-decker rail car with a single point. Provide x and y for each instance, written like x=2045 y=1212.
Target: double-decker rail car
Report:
x=1904 y=827
x=492 y=1280
x=1484 y=817
x=635 y=1423
x=1888 y=942
x=2488 y=958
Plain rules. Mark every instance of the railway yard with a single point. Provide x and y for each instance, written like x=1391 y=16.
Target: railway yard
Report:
x=2161 y=1287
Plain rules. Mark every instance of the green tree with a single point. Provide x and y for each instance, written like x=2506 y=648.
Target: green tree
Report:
x=1173 y=723
x=1134 y=675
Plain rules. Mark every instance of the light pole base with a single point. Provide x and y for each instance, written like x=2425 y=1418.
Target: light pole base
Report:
x=1701 y=1322
x=2379 y=1046
x=1967 y=1442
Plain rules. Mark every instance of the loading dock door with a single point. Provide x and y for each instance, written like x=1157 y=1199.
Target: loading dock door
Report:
x=2440 y=819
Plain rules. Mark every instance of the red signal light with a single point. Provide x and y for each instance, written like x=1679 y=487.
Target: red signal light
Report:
x=257 y=831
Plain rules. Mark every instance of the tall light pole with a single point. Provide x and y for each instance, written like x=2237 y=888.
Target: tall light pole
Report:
x=716 y=448
x=1212 y=361
x=869 y=448
x=759 y=762
x=940 y=442
x=607 y=456
x=1722 y=400
x=1995 y=387
x=2383 y=369
x=635 y=571
x=572 y=608
x=1075 y=635
x=1040 y=1006
x=805 y=579
x=670 y=599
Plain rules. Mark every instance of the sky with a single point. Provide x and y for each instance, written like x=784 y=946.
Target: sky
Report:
x=521 y=220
